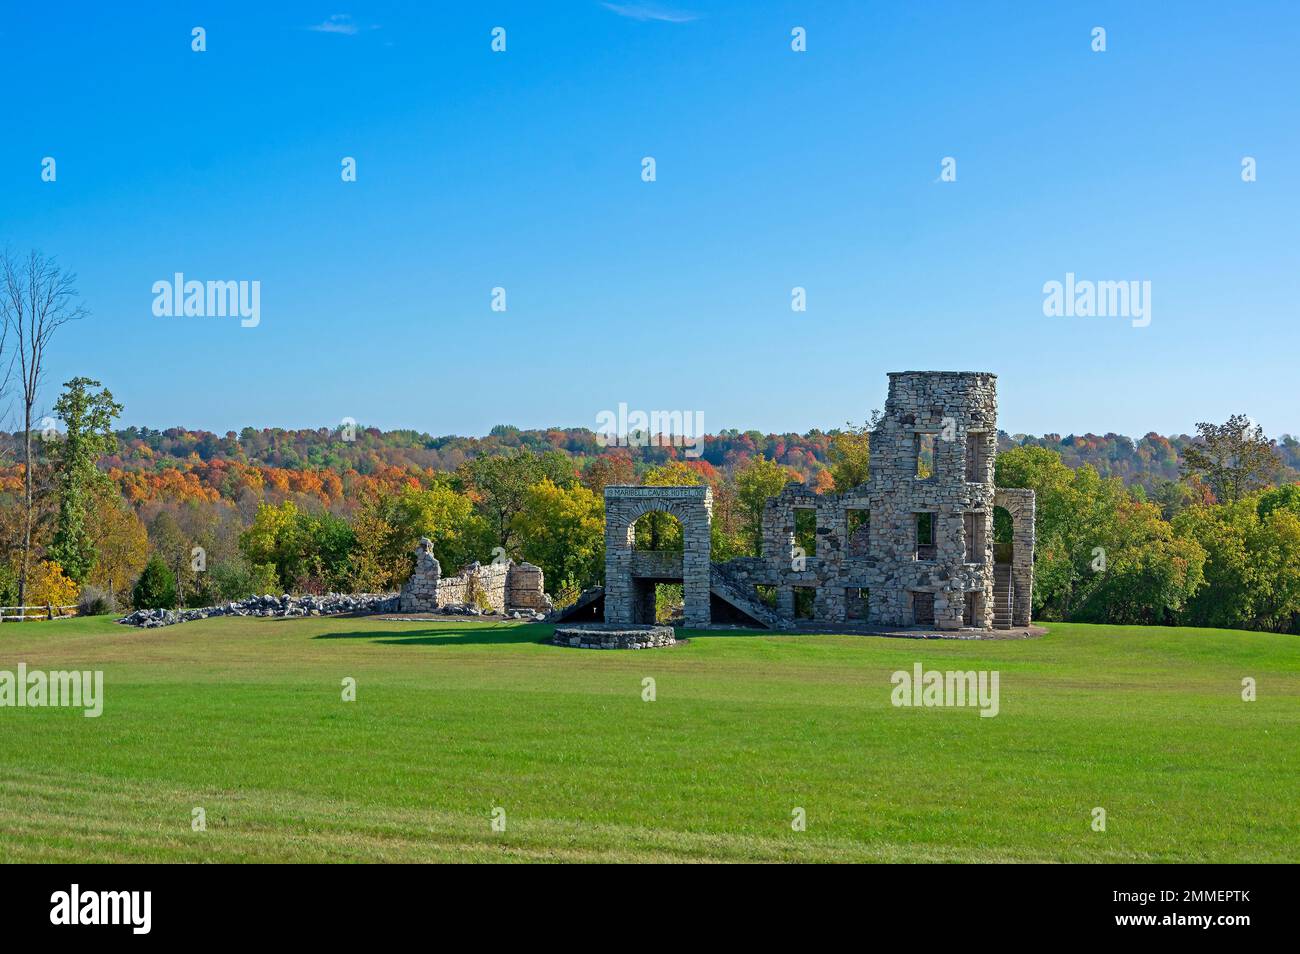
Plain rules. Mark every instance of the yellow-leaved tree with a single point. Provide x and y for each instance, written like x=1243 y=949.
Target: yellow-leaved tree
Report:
x=47 y=585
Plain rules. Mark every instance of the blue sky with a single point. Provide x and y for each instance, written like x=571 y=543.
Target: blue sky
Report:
x=775 y=169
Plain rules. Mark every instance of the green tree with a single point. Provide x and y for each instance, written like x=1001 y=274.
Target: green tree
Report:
x=88 y=417
x=459 y=535
x=757 y=480
x=270 y=540
x=1275 y=548
x=156 y=588
x=849 y=454
x=1253 y=569
x=380 y=560
x=310 y=552
x=1140 y=571
x=237 y=579
x=562 y=530
x=1235 y=457
x=499 y=485
x=1224 y=532
x=1058 y=523
x=1287 y=498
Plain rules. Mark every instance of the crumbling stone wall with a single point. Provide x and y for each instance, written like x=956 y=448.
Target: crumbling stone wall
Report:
x=958 y=411
x=506 y=585
x=881 y=559
x=474 y=581
x=525 y=589
x=868 y=562
x=419 y=593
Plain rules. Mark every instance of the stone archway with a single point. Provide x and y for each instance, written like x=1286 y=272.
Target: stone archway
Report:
x=624 y=566
x=1020 y=504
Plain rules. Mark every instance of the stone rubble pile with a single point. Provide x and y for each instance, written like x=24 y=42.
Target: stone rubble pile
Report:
x=279 y=606
x=290 y=606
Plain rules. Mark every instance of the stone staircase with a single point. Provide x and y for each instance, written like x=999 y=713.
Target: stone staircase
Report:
x=589 y=607
x=1002 y=595
x=729 y=590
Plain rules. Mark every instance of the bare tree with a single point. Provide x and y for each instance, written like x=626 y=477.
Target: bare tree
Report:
x=36 y=299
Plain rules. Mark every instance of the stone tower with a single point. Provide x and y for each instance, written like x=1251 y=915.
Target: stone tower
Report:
x=912 y=546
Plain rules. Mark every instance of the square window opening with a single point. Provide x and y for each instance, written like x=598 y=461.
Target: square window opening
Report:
x=924 y=456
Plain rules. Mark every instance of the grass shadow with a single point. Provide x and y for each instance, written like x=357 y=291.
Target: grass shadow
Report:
x=687 y=633
x=470 y=635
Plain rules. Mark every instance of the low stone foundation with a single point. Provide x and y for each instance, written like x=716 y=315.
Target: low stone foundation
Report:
x=614 y=636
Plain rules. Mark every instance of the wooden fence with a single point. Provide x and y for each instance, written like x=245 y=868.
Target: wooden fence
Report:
x=21 y=614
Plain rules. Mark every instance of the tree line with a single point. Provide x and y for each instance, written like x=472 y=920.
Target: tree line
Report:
x=108 y=516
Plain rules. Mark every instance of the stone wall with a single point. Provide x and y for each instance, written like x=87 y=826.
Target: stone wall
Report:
x=474 y=581
x=525 y=589
x=957 y=411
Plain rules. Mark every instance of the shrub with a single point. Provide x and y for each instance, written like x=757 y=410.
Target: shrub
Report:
x=94 y=602
x=482 y=602
x=200 y=596
x=237 y=579
x=156 y=588
x=47 y=585
x=8 y=584
x=308 y=584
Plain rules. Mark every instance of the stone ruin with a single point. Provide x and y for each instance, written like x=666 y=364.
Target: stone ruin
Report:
x=913 y=546
x=506 y=586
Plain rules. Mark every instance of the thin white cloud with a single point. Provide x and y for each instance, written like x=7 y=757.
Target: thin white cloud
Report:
x=649 y=11
x=340 y=23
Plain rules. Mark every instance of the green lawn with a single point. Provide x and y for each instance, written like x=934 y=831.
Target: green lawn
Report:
x=244 y=718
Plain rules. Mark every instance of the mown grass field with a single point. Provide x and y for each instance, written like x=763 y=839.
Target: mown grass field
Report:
x=244 y=718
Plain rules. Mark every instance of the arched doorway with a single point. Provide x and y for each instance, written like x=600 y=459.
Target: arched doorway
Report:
x=1013 y=556
x=658 y=541
x=1003 y=535
x=670 y=545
